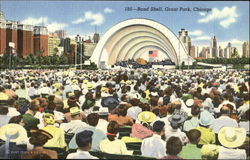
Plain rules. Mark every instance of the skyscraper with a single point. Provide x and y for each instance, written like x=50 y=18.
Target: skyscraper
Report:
x=25 y=39
x=53 y=44
x=41 y=40
x=65 y=43
x=220 y=52
x=2 y=33
x=228 y=51
x=61 y=33
x=96 y=37
x=245 y=49
x=213 y=46
x=186 y=40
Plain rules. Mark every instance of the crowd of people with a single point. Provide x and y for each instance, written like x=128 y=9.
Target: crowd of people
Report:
x=135 y=65
x=168 y=114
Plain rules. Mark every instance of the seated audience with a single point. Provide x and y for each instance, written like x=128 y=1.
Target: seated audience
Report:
x=209 y=152
x=190 y=150
x=207 y=134
x=58 y=139
x=111 y=144
x=231 y=139
x=173 y=148
x=154 y=146
x=75 y=123
x=38 y=139
x=84 y=143
x=98 y=135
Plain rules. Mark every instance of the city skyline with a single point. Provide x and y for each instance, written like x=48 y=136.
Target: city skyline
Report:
x=76 y=17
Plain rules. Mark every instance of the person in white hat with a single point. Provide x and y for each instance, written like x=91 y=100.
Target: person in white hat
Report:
x=134 y=110
x=231 y=138
x=75 y=123
x=207 y=134
x=13 y=135
x=194 y=121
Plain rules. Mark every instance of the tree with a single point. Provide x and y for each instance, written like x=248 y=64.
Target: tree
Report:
x=235 y=53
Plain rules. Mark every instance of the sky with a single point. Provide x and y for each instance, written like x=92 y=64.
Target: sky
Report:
x=227 y=20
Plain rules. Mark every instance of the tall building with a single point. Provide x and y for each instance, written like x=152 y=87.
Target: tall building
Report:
x=205 y=53
x=25 y=39
x=96 y=37
x=213 y=46
x=41 y=40
x=183 y=35
x=61 y=33
x=245 y=49
x=53 y=44
x=228 y=51
x=11 y=36
x=192 y=51
x=65 y=43
x=2 y=33
x=220 y=52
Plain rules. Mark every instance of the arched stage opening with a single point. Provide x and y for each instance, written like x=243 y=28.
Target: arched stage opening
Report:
x=134 y=38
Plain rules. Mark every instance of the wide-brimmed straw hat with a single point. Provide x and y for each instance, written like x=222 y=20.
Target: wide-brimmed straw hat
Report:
x=177 y=118
x=232 y=137
x=15 y=132
x=146 y=116
x=206 y=118
x=41 y=132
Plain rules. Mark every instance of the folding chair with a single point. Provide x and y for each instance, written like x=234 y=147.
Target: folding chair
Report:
x=68 y=137
x=124 y=131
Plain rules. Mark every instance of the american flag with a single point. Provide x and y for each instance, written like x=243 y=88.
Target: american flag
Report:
x=153 y=53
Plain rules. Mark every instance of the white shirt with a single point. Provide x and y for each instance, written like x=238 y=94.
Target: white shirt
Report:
x=45 y=90
x=223 y=121
x=58 y=115
x=13 y=112
x=72 y=126
x=102 y=125
x=244 y=124
x=242 y=109
x=114 y=147
x=134 y=111
x=227 y=153
x=153 y=147
x=176 y=133
x=80 y=155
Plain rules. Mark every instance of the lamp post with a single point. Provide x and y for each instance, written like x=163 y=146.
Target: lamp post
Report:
x=179 y=50
x=11 y=45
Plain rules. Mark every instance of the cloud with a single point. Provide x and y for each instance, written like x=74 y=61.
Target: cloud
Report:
x=201 y=38
x=226 y=23
x=108 y=10
x=95 y=18
x=35 y=21
x=226 y=16
x=195 y=33
x=202 y=13
x=234 y=42
x=52 y=27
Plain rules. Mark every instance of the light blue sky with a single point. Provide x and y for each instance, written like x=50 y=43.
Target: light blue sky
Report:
x=229 y=21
